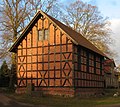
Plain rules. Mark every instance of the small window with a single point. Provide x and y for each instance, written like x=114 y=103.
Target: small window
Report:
x=46 y=35
x=43 y=35
x=40 y=35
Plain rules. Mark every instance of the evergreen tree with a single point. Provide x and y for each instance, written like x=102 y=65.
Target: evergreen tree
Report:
x=4 y=70
x=4 y=75
x=13 y=76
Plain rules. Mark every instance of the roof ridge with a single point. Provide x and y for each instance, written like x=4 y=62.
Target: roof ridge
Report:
x=73 y=35
x=77 y=33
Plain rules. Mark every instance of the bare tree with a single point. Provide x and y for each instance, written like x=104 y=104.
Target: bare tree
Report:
x=87 y=20
x=45 y=5
x=12 y=19
x=51 y=7
x=14 y=16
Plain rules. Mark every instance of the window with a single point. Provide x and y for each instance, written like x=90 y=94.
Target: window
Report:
x=40 y=35
x=98 y=65
x=91 y=63
x=83 y=60
x=43 y=35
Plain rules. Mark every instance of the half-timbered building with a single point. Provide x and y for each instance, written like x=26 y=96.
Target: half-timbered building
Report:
x=57 y=59
x=110 y=74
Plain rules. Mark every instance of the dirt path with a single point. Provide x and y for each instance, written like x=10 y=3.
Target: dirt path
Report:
x=4 y=100
x=7 y=102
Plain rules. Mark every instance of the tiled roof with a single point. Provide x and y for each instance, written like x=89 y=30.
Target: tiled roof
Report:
x=108 y=62
x=76 y=37
x=109 y=65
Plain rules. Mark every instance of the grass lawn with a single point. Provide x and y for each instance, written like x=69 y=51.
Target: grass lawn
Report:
x=57 y=101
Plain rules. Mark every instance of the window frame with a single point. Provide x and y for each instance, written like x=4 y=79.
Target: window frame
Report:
x=42 y=35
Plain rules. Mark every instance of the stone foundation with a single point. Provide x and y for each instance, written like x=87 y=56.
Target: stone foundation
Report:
x=86 y=92
x=51 y=91
x=82 y=92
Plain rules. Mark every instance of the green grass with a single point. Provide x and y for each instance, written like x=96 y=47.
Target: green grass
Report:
x=57 y=101
x=108 y=101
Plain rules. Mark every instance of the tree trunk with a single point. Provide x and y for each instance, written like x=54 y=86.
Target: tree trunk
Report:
x=13 y=71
